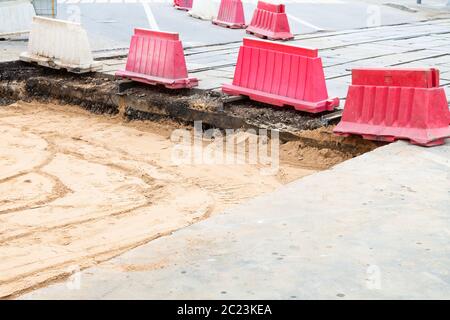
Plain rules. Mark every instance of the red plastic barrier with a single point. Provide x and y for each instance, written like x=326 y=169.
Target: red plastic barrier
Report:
x=418 y=78
x=389 y=104
x=281 y=74
x=270 y=21
x=183 y=4
x=231 y=14
x=157 y=58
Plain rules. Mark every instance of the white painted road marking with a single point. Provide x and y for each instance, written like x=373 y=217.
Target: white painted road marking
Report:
x=303 y=22
x=150 y=17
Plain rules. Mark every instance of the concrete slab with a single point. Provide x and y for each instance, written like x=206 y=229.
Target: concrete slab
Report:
x=356 y=52
x=212 y=79
x=423 y=58
x=338 y=87
x=336 y=71
x=445 y=76
x=447 y=92
x=10 y=50
x=427 y=62
x=374 y=227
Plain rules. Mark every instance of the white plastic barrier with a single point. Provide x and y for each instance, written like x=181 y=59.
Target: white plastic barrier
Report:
x=15 y=17
x=59 y=44
x=205 y=9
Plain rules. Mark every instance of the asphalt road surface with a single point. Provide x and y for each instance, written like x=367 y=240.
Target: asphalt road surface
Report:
x=110 y=25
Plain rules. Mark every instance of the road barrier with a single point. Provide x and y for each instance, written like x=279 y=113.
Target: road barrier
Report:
x=59 y=44
x=183 y=4
x=231 y=14
x=389 y=104
x=15 y=17
x=281 y=75
x=204 y=9
x=270 y=21
x=157 y=57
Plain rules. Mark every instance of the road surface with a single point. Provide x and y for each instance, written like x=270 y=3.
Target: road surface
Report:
x=110 y=25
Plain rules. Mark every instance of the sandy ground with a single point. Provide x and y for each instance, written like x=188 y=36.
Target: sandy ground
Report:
x=77 y=189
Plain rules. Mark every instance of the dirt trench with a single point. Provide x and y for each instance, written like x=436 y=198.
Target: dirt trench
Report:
x=87 y=174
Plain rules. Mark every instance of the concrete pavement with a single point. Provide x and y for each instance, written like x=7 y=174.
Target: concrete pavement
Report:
x=374 y=227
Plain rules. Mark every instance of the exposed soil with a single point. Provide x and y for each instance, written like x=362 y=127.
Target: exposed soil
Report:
x=319 y=158
x=4 y=101
x=276 y=117
x=77 y=189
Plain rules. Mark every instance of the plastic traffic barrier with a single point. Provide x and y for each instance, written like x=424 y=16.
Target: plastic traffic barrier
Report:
x=231 y=14
x=183 y=4
x=59 y=44
x=280 y=74
x=270 y=21
x=15 y=17
x=157 y=57
x=204 y=9
x=389 y=104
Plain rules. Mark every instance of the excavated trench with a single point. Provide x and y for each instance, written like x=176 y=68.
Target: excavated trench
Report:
x=79 y=186
x=102 y=94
